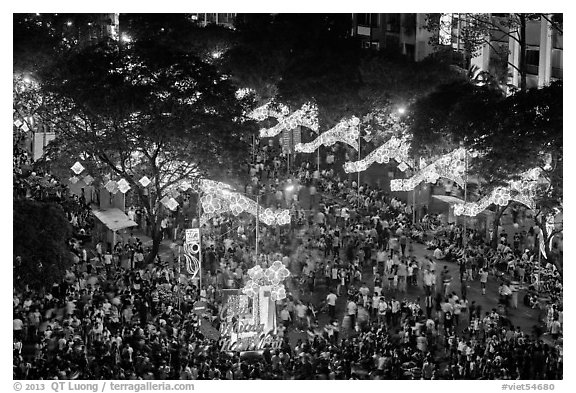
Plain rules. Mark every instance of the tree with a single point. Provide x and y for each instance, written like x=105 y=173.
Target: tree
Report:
x=144 y=110
x=41 y=231
x=528 y=123
x=470 y=32
x=297 y=58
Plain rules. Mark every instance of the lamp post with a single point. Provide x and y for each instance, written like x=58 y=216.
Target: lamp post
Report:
x=200 y=239
x=257 y=223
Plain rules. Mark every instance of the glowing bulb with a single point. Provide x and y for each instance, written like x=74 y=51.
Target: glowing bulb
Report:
x=125 y=38
x=69 y=23
x=401 y=110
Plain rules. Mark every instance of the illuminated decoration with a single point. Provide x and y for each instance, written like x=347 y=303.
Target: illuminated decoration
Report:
x=144 y=181
x=522 y=191
x=270 y=109
x=185 y=185
x=211 y=204
x=111 y=186
x=77 y=168
x=306 y=116
x=272 y=276
x=345 y=131
x=123 y=186
x=219 y=198
x=402 y=166
x=394 y=149
x=450 y=166
x=88 y=179
x=172 y=204
x=73 y=180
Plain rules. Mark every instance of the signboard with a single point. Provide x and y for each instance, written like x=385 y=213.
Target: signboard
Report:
x=192 y=251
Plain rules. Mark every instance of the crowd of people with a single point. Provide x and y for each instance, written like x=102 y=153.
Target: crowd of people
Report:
x=113 y=317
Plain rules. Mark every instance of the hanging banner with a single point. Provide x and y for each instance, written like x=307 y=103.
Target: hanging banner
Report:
x=192 y=253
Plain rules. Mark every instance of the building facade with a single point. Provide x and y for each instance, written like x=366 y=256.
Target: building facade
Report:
x=408 y=35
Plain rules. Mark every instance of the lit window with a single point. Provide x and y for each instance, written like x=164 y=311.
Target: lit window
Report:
x=445 y=32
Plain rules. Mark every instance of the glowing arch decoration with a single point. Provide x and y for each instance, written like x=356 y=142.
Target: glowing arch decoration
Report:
x=270 y=109
x=222 y=200
x=347 y=131
x=306 y=116
x=451 y=166
x=394 y=149
x=522 y=191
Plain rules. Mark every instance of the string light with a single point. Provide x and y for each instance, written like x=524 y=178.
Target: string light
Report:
x=346 y=131
x=393 y=149
x=306 y=116
x=450 y=166
x=522 y=191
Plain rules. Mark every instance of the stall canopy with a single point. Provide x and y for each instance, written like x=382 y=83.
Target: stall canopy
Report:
x=448 y=199
x=113 y=218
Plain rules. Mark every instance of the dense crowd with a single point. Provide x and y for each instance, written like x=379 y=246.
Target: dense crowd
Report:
x=113 y=317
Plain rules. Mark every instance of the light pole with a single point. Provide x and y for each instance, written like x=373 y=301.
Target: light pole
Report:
x=465 y=236
x=257 y=223
x=359 y=202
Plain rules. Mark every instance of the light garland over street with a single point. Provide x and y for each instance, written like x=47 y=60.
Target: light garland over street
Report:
x=450 y=166
x=347 y=131
x=395 y=148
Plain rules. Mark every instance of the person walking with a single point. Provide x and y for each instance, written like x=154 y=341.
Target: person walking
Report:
x=331 y=301
x=483 y=273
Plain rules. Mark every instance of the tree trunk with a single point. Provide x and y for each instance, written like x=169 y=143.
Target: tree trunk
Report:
x=497 y=216
x=522 y=60
x=156 y=233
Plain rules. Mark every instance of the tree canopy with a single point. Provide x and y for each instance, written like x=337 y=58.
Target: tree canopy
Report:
x=41 y=231
x=145 y=110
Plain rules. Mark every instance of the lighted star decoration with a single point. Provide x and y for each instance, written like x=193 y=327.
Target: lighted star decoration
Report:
x=522 y=191
x=347 y=131
x=306 y=116
x=393 y=149
x=123 y=186
x=111 y=186
x=451 y=166
x=272 y=276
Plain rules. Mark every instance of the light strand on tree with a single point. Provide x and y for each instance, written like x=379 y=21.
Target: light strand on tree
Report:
x=450 y=166
x=395 y=148
x=522 y=191
x=347 y=131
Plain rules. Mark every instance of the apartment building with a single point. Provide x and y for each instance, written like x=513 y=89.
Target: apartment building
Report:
x=407 y=34
x=222 y=19
x=402 y=32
